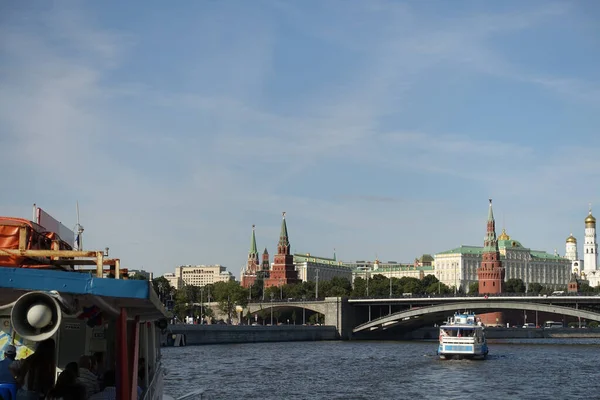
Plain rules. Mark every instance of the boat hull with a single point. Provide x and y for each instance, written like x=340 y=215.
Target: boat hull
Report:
x=463 y=352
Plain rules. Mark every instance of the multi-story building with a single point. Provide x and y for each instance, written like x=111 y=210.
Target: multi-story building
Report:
x=198 y=275
x=458 y=267
x=310 y=267
x=392 y=269
x=174 y=280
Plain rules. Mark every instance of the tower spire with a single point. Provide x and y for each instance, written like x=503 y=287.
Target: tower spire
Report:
x=253 y=249
x=283 y=235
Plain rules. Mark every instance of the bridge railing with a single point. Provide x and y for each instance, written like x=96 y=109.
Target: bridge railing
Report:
x=463 y=295
x=286 y=300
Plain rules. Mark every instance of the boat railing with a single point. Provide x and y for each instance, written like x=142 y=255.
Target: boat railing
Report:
x=196 y=394
x=154 y=391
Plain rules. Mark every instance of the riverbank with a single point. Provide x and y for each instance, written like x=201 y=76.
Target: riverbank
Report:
x=507 y=333
x=221 y=334
x=184 y=335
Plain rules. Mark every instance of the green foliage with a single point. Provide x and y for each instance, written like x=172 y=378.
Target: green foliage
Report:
x=379 y=286
x=585 y=288
x=229 y=295
x=514 y=285
x=534 y=288
x=162 y=287
x=474 y=288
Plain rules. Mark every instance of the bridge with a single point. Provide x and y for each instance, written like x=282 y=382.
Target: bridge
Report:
x=358 y=317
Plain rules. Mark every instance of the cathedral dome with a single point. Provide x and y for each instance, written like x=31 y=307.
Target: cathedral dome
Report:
x=571 y=239
x=503 y=235
x=590 y=219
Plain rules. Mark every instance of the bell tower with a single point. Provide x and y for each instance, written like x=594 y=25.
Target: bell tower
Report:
x=590 y=246
x=491 y=273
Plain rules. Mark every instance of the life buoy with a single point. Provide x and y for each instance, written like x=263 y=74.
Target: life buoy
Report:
x=485 y=297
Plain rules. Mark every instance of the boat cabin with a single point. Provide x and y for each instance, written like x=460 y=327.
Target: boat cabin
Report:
x=46 y=291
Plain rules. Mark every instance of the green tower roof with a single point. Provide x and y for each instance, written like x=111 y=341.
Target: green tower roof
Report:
x=283 y=235
x=253 y=249
x=490 y=212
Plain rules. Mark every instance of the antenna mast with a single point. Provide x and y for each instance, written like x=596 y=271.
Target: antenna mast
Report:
x=79 y=234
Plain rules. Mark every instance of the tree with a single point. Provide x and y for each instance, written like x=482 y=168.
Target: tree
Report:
x=474 y=288
x=585 y=288
x=514 y=285
x=163 y=288
x=535 y=288
x=228 y=295
x=339 y=287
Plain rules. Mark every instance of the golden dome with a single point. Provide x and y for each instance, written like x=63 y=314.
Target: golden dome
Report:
x=503 y=235
x=590 y=219
x=571 y=239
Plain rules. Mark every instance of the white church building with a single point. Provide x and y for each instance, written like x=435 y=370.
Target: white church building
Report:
x=586 y=269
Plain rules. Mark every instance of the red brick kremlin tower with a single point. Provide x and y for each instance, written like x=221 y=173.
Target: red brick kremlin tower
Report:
x=252 y=265
x=266 y=264
x=283 y=271
x=491 y=273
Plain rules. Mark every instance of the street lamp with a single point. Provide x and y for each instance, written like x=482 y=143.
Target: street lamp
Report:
x=317 y=286
x=281 y=289
x=201 y=307
x=303 y=310
x=272 y=295
x=455 y=283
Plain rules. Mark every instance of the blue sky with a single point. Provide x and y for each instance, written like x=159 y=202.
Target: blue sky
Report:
x=380 y=127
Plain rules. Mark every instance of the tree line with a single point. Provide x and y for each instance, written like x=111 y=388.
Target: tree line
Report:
x=192 y=300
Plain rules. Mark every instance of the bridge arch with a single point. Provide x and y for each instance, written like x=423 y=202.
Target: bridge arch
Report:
x=432 y=312
x=318 y=307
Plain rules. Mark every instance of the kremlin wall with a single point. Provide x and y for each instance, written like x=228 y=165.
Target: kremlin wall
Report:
x=499 y=259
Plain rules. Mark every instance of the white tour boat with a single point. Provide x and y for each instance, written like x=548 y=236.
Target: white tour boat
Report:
x=462 y=337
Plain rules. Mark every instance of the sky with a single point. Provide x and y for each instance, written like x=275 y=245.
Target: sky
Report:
x=381 y=128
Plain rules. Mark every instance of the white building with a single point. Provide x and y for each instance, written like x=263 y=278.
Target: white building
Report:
x=174 y=280
x=589 y=270
x=393 y=269
x=571 y=254
x=458 y=267
x=309 y=267
x=134 y=273
x=198 y=275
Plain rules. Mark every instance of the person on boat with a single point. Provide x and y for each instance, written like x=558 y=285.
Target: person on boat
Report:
x=99 y=360
x=110 y=388
x=86 y=377
x=7 y=369
x=142 y=372
x=73 y=367
x=67 y=387
x=37 y=372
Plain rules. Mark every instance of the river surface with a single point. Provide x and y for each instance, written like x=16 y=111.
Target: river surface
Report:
x=515 y=369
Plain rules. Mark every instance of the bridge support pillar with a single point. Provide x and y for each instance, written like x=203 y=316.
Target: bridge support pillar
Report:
x=339 y=312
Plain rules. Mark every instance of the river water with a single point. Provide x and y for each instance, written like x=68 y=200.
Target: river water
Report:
x=515 y=369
